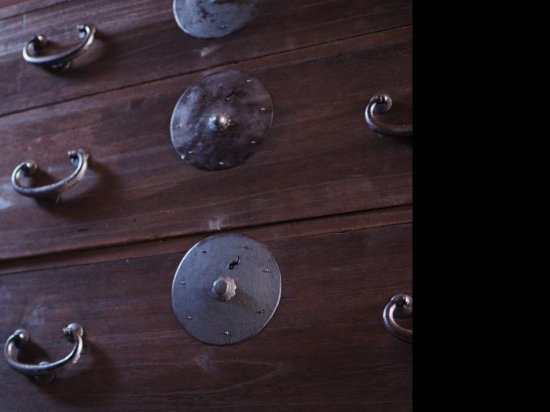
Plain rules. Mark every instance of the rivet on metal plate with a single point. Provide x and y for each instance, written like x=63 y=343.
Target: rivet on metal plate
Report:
x=226 y=303
x=222 y=120
x=213 y=18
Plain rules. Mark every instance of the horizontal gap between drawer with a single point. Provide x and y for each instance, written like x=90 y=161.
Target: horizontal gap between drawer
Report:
x=317 y=226
x=224 y=65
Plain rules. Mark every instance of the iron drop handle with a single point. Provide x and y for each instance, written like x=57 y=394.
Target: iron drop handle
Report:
x=61 y=61
x=400 y=306
x=79 y=158
x=381 y=103
x=44 y=371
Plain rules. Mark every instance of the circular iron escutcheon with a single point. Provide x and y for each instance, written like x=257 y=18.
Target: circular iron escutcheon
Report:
x=213 y=18
x=220 y=121
x=226 y=289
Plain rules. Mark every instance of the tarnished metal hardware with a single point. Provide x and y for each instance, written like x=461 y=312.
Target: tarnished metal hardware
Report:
x=61 y=61
x=399 y=306
x=222 y=120
x=79 y=158
x=44 y=371
x=226 y=289
x=213 y=18
x=382 y=103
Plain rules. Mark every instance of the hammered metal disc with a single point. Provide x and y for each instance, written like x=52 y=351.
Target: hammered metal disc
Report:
x=221 y=120
x=213 y=18
x=196 y=299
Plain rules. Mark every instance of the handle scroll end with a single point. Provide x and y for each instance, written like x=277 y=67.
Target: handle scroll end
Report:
x=379 y=104
x=400 y=305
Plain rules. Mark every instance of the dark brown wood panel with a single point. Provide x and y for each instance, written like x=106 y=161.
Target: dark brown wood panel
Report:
x=9 y=8
x=306 y=227
x=325 y=348
x=320 y=159
x=139 y=41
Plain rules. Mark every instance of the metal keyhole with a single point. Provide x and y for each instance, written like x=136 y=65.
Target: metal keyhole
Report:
x=234 y=263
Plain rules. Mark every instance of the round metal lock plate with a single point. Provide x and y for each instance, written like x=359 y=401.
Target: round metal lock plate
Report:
x=213 y=18
x=221 y=120
x=226 y=289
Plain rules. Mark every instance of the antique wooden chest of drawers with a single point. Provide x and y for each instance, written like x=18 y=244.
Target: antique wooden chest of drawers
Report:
x=330 y=198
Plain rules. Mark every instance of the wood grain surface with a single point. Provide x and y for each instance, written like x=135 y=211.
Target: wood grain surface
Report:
x=325 y=348
x=306 y=227
x=320 y=158
x=11 y=8
x=139 y=41
x=331 y=199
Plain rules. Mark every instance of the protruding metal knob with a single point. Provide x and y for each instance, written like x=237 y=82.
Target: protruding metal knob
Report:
x=224 y=288
x=219 y=122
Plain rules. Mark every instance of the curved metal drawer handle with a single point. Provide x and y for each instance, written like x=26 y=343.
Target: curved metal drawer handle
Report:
x=400 y=306
x=79 y=158
x=44 y=371
x=381 y=103
x=61 y=61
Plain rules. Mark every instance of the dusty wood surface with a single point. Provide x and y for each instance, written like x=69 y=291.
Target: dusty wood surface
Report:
x=325 y=348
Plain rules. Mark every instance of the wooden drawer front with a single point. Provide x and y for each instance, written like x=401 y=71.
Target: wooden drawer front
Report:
x=324 y=349
x=139 y=41
x=320 y=158
x=11 y=8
